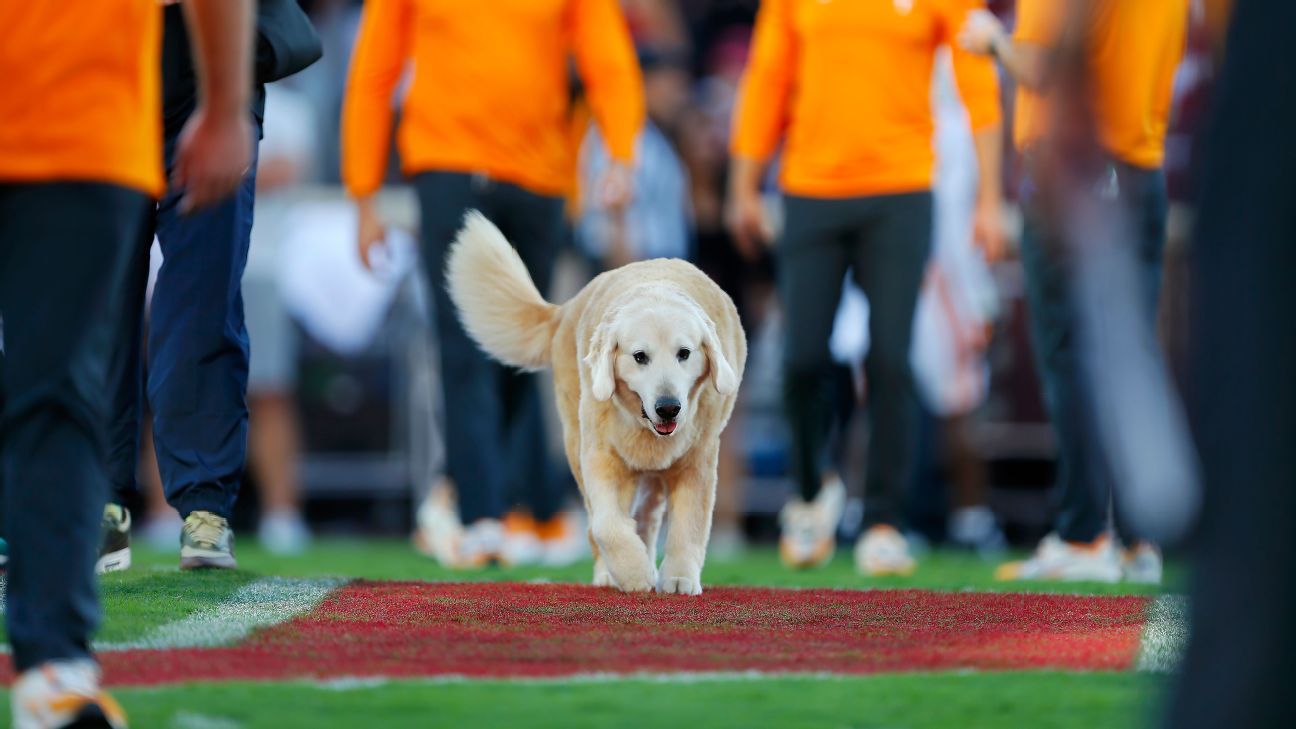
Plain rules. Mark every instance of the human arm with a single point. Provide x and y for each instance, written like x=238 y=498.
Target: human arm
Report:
x=605 y=60
x=377 y=63
x=759 y=122
x=214 y=149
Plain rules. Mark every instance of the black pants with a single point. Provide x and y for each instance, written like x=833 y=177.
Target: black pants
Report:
x=197 y=351
x=61 y=252
x=493 y=421
x=1241 y=661
x=1083 y=489
x=884 y=241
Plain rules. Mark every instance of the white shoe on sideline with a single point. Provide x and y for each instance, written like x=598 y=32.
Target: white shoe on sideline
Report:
x=283 y=532
x=882 y=551
x=1056 y=559
x=437 y=527
x=62 y=694
x=1142 y=564
x=808 y=531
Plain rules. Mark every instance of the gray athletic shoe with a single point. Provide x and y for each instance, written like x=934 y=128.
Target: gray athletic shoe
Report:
x=114 y=540
x=206 y=541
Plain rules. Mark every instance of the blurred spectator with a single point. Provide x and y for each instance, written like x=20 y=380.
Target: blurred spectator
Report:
x=197 y=348
x=657 y=223
x=274 y=438
x=953 y=321
x=76 y=191
x=856 y=174
x=485 y=125
x=1241 y=659
x=1131 y=51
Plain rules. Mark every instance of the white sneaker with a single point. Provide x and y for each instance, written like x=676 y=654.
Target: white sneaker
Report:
x=1056 y=559
x=809 y=530
x=283 y=532
x=481 y=544
x=883 y=551
x=975 y=528
x=63 y=694
x=1142 y=563
x=437 y=527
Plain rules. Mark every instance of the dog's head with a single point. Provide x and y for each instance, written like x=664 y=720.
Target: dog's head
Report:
x=651 y=353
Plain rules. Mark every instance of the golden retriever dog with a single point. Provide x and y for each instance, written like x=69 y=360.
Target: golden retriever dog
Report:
x=647 y=360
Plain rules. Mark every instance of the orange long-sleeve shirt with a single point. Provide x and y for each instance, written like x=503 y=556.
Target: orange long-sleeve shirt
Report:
x=490 y=88
x=847 y=87
x=80 y=96
x=1134 y=49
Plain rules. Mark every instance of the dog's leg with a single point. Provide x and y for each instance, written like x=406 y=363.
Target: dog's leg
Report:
x=601 y=577
x=692 y=499
x=650 y=506
x=610 y=492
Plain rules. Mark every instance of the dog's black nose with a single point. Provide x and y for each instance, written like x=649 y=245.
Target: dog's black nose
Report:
x=667 y=408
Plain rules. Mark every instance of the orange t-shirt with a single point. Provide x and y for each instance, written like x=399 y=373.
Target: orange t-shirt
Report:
x=80 y=96
x=1134 y=48
x=490 y=90
x=847 y=86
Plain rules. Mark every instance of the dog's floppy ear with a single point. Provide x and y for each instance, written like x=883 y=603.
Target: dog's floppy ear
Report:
x=722 y=374
x=600 y=360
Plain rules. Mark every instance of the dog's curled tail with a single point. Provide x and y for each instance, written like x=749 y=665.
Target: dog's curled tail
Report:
x=498 y=302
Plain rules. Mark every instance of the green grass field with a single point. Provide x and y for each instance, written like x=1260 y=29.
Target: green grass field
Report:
x=154 y=592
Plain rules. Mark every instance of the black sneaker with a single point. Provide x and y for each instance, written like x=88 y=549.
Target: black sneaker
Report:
x=114 y=545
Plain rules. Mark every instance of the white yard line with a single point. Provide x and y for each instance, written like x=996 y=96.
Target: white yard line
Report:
x=1165 y=634
x=263 y=602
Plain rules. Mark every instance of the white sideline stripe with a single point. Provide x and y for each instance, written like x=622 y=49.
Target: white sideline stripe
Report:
x=263 y=602
x=361 y=683
x=1165 y=635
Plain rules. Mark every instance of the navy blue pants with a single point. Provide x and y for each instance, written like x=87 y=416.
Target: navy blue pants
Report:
x=1083 y=489
x=493 y=424
x=197 y=354
x=61 y=251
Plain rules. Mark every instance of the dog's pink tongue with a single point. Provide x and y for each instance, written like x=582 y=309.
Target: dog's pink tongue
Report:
x=664 y=428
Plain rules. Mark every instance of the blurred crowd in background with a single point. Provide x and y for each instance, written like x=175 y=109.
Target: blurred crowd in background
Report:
x=345 y=433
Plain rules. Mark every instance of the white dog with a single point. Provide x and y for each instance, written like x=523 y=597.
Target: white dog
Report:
x=647 y=360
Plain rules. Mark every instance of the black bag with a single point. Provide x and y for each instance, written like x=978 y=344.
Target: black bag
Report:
x=286 y=41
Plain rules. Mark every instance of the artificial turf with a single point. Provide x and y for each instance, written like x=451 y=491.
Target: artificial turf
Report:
x=1040 y=700
x=154 y=592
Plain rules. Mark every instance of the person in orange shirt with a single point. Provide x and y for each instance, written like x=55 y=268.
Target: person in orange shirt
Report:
x=845 y=87
x=484 y=125
x=1130 y=53
x=80 y=158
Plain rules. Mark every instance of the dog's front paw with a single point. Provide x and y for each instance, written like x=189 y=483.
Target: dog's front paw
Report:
x=680 y=585
x=680 y=577
x=602 y=578
x=642 y=579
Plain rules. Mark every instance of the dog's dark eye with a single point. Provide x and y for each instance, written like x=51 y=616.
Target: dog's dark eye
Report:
x=683 y=354
x=641 y=358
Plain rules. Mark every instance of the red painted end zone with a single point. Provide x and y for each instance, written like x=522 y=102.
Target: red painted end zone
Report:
x=510 y=630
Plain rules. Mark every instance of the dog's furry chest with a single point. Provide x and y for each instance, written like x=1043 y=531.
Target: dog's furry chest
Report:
x=653 y=453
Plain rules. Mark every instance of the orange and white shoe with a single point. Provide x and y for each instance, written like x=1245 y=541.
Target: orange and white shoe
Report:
x=1060 y=560
x=882 y=551
x=481 y=544
x=441 y=535
x=808 y=535
x=521 y=541
x=1142 y=564
x=64 y=694
x=437 y=527
x=562 y=540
